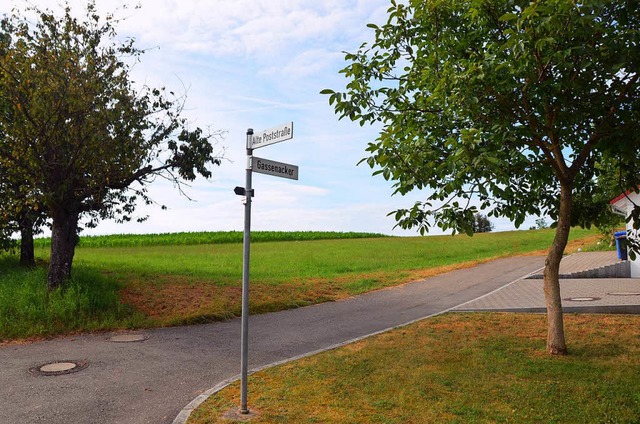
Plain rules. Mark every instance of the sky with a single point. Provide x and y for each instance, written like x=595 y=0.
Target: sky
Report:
x=259 y=64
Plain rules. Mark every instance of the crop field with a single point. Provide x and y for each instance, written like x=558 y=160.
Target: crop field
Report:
x=147 y=281
x=217 y=237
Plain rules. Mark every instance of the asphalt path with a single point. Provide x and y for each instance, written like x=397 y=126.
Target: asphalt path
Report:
x=152 y=380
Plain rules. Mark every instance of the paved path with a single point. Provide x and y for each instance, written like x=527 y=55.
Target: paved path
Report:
x=151 y=381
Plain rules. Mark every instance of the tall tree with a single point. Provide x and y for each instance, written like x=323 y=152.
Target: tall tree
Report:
x=18 y=210
x=83 y=139
x=508 y=102
x=6 y=224
x=482 y=224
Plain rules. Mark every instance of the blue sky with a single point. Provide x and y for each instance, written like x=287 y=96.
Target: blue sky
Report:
x=257 y=64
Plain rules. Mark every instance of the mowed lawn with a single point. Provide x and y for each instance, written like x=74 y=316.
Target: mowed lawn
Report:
x=455 y=368
x=170 y=284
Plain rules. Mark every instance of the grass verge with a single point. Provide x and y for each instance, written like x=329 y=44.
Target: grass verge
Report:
x=162 y=285
x=456 y=368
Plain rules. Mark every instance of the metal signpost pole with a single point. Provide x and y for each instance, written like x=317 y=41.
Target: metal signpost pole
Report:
x=262 y=166
x=244 y=351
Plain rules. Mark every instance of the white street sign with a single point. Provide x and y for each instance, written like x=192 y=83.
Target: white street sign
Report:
x=273 y=135
x=277 y=169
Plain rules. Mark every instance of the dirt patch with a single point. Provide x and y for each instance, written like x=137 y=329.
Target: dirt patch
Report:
x=174 y=302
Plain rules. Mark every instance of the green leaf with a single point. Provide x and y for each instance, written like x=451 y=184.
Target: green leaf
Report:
x=508 y=17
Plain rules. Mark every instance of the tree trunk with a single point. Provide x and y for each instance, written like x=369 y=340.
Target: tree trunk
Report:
x=64 y=237
x=27 y=253
x=556 y=344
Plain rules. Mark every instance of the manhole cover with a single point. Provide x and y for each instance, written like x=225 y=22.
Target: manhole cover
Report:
x=624 y=294
x=582 y=299
x=128 y=338
x=59 y=367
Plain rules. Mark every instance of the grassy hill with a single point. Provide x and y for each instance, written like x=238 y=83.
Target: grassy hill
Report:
x=157 y=280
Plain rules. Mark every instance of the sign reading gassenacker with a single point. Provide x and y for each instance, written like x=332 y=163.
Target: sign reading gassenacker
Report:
x=271 y=136
x=271 y=167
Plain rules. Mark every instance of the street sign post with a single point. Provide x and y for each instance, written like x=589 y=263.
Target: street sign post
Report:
x=269 y=167
x=246 y=247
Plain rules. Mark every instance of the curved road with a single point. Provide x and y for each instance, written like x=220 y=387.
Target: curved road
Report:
x=151 y=381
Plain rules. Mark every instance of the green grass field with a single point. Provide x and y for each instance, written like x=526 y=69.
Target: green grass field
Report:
x=456 y=368
x=281 y=262
x=141 y=281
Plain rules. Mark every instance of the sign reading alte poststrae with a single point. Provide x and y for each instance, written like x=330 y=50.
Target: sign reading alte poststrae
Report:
x=271 y=136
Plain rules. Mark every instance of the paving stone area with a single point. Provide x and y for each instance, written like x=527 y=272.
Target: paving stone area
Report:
x=584 y=261
x=609 y=294
x=529 y=294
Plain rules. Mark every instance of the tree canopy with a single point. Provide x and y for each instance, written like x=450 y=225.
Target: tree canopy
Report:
x=79 y=138
x=504 y=104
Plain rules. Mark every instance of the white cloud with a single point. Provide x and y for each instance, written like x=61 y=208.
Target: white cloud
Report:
x=259 y=63
x=244 y=27
x=308 y=63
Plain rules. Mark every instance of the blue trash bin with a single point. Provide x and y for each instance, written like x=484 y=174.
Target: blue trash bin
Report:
x=621 y=244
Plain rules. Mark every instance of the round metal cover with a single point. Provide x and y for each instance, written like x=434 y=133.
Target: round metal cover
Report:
x=128 y=338
x=59 y=367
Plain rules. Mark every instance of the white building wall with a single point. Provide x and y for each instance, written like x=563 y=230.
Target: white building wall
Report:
x=635 y=265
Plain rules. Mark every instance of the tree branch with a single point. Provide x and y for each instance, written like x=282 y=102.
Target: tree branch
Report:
x=598 y=133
